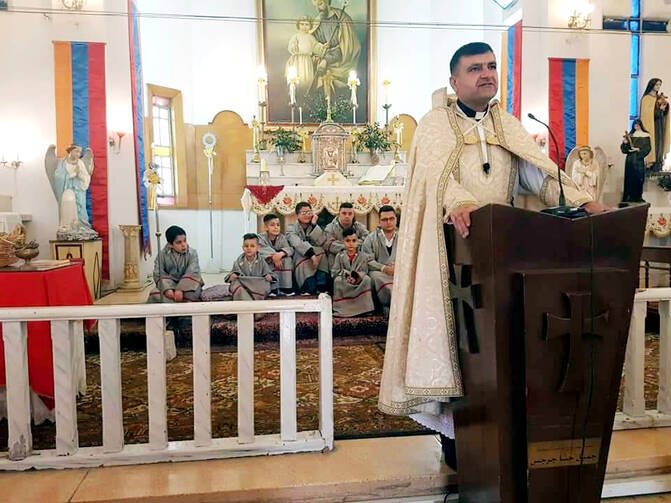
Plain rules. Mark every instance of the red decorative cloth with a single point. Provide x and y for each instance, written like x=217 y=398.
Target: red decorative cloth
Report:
x=59 y=287
x=264 y=193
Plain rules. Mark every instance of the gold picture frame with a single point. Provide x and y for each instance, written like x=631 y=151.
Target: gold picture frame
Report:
x=279 y=28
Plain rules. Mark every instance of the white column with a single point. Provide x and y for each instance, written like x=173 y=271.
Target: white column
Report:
x=288 y=375
x=245 y=378
x=65 y=387
x=664 y=395
x=158 y=410
x=202 y=414
x=15 y=338
x=110 y=378
x=634 y=364
x=326 y=370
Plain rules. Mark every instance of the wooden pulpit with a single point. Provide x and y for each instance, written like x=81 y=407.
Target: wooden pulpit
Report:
x=543 y=306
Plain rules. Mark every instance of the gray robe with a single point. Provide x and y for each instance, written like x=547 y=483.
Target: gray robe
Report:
x=334 y=240
x=250 y=283
x=375 y=245
x=302 y=241
x=351 y=300
x=268 y=248
x=176 y=271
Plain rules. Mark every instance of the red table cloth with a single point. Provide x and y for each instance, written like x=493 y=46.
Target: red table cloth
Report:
x=59 y=287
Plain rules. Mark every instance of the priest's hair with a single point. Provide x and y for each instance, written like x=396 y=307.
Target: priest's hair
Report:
x=472 y=49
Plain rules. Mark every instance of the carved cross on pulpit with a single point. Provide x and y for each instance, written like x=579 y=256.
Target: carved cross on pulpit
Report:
x=466 y=298
x=580 y=330
x=332 y=179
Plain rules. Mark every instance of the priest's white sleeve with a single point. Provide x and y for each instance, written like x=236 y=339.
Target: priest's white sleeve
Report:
x=530 y=178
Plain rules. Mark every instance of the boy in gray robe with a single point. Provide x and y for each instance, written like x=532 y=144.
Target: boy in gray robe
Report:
x=176 y=270
x=274 y=248
x=250 y=276
x=334 y=231
x=307 y=238
x=381 y=245
x=352 y=294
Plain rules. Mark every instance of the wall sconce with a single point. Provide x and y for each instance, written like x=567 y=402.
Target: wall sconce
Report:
x=11 y=164
x=114 y=140
x=581 y=16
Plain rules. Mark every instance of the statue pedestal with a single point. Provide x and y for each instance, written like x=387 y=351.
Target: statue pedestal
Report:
x=131 y=259
x=92 y=253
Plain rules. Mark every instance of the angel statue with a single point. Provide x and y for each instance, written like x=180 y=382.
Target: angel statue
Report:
x=588 y=168
x=70 y=178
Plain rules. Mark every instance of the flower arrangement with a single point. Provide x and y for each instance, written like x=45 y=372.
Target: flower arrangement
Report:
x=285 y=139
x=373 y=138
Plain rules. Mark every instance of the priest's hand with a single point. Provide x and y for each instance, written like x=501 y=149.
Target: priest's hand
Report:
x=179 y=296
x=596 y=207
x=461 y=218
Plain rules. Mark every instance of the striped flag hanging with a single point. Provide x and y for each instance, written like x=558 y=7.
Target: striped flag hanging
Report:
x=81 y=119
x=511 y=70
x=138 y=123
x=568 y=105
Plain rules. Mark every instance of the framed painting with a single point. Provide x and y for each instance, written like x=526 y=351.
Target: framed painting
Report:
x=319 y=42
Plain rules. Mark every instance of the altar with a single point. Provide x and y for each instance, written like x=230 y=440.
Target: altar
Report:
x=291 y=182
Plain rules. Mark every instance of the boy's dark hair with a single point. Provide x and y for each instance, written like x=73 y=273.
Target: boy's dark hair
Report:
x=302 y=205
x=250 y=235
x=348 y=232
x=472 y=49
x=386 y=208
x=346 y=204
x=269 y=217
x=172 y=232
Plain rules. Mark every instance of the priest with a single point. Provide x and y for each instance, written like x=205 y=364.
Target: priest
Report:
x=467 y=152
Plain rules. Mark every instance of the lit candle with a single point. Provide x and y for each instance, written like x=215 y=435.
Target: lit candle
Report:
x=386 y=83
x=353 y=82
x=262 y=82
x=292 y=80
x=264 y=166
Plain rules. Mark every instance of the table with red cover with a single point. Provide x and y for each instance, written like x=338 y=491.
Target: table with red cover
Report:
x=65 y=286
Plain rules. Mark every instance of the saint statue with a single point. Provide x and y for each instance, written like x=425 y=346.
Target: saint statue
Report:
x=587 y=167
x=70 y=178
x=655 y=120
x=339 y=48
x=637 y=145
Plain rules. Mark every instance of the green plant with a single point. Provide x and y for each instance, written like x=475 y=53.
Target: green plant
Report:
x=286 y=139
x=341 y=108
x=372 y=137
x=664 y=182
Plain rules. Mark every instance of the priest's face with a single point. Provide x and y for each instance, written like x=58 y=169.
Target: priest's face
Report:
x=476 y=80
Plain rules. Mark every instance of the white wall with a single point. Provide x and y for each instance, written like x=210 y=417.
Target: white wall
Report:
x=27 y=113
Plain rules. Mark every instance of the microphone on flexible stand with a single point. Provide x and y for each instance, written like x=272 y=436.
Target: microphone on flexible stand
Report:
x=562 y=210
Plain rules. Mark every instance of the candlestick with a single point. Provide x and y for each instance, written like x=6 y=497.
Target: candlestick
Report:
x=328 y=108
x=264 y=166
x=300 y=116
x=386 y=83
x=292 y=80
x=262 y=81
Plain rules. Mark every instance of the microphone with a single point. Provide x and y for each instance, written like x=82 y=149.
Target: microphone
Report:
x=562 y=198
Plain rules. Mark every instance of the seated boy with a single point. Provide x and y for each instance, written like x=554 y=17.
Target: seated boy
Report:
x=176 y=270
x=352 y=294
x=274 y=249
x=251 y=276
x=307 y=238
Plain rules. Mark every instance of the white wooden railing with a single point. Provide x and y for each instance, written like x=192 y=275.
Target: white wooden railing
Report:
x=634 y=414
x=66 y=321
